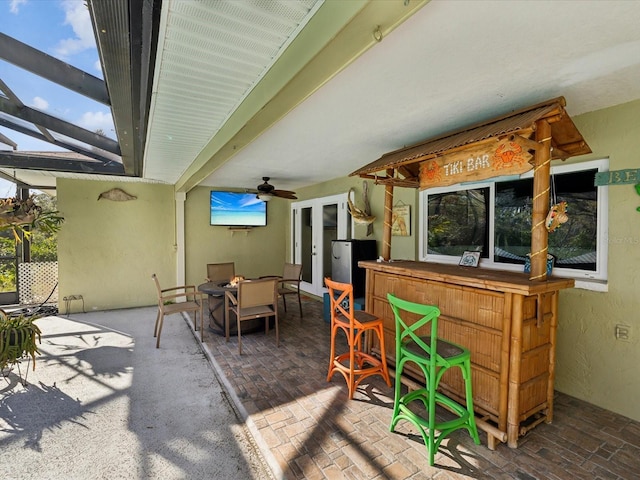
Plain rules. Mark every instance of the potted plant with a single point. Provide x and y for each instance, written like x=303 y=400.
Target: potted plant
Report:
x=19 y=338
x=21 y=215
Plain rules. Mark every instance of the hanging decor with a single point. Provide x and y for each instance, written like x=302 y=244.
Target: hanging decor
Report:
x=21 y=216
x=359 y=216
x=556 y=216
x=558 y=212
x=367 y=205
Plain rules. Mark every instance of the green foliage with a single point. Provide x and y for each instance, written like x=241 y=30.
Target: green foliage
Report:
x=19 y=338
x=22 y=216
x=41 y=232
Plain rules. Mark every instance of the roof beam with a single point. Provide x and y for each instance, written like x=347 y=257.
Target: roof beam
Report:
x=127 y=38
x=57 y=71
x=69 y=146
x=14 y=98
x=28 y=161
x=65 y=128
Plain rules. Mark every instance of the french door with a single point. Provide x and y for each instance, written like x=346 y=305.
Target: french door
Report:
x=314 y=224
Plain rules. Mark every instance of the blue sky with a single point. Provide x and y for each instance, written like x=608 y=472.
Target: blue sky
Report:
x=62 y=29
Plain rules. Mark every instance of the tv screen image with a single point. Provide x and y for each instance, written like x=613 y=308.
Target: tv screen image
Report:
x=237 y=209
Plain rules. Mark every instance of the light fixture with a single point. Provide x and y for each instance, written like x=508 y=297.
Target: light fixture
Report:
x=265 y=197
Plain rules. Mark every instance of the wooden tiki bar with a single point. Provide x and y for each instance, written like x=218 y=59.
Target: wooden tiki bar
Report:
x=507 y=319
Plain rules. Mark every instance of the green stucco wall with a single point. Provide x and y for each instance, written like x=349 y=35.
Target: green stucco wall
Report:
x=591 y=364
x=108 y=250
x=256 y=252
x=401 y=247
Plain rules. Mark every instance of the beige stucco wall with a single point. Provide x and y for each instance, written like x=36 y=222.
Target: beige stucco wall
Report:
x=256 y=252
x=591 y=363
x=108 y=250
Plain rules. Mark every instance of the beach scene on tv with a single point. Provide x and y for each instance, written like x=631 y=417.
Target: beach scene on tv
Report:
x=237 y=209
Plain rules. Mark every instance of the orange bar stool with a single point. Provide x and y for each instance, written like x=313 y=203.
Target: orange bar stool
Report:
x=356 y=364
x=434 y=357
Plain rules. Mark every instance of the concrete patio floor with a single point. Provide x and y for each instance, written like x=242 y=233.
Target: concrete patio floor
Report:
x=104 y=403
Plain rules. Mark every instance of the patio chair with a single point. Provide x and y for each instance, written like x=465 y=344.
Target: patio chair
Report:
x=168 y=304
x=220 y=272
x=290 y=283
x=434 y=357
x=254 y=299
x=356 y=364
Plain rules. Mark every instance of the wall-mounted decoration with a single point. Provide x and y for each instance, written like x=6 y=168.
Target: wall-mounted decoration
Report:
x=116 y=195
x=617 y=177
x=470 y=259
x=401 y=220
x=359 y=216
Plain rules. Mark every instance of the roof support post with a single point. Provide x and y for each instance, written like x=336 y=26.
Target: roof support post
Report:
x=388 y=218
x=541 y=175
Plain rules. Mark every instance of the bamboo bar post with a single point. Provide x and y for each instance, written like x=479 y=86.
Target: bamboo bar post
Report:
x=388 y=218
x=513 y=417
x=541 y=175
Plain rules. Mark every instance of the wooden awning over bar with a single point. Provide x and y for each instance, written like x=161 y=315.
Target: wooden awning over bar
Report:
x=508 y=145
x=566 y=141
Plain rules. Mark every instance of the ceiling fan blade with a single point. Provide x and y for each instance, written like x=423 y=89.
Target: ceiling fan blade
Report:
x=285 y=194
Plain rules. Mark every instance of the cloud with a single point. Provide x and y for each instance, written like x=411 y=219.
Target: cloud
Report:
x=40 y=103
x=97 y=120
x=98 y=66
x=14 y=7
x=77 y=16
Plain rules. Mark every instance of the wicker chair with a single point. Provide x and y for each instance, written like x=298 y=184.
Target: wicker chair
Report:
x=254 y=299
x=434 y=357
x=168 y=305
x=356 y=364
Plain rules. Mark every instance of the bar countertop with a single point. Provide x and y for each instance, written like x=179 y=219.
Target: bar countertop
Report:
x=496 y=280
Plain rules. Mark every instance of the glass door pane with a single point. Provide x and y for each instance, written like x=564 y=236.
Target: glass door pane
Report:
x=306 y=243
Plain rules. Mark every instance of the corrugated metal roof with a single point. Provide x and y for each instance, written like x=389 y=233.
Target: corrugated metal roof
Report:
x=563 y=132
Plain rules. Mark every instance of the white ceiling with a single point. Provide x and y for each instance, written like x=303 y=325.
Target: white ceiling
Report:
x=450 y=64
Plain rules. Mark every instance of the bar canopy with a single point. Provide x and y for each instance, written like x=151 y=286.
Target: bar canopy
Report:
x=508 y=145
x=566 y=141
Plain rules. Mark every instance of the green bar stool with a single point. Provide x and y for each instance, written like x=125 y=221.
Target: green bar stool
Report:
x=434 y=357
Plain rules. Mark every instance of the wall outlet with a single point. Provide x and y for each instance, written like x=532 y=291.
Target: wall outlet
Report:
x=623 y=332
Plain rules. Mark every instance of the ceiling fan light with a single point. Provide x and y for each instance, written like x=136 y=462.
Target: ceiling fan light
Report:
x=265 y=197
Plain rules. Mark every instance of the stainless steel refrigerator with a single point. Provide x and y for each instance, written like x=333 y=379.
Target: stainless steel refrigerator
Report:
x=345 y=255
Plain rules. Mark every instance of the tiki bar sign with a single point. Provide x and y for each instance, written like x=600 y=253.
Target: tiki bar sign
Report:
x=506 y=157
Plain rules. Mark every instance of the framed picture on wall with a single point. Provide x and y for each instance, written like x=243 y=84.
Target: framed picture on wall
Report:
x=470 y=259
x=401 y=221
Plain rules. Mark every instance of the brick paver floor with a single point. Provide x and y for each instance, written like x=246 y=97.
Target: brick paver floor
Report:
x=310 y=430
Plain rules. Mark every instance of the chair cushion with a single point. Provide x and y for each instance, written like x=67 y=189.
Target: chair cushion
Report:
x=444 y=348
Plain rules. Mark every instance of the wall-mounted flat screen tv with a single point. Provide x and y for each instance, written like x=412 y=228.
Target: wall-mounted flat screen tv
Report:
x=237 y=209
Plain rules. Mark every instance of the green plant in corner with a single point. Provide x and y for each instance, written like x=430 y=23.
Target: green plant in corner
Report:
x=19 y=338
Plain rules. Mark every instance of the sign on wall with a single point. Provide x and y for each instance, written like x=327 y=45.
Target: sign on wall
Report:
x=507 y=157
x=617 y=177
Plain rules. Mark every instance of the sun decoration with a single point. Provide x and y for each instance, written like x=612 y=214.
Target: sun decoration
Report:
x=24 y=215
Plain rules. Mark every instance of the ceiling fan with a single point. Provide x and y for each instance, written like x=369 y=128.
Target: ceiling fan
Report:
x=266 y=192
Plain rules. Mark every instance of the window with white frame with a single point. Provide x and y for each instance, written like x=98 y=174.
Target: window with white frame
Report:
x=495 y=219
